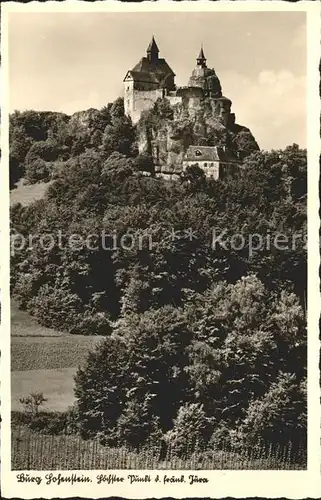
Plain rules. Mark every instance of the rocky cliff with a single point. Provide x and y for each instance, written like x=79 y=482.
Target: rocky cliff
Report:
x=167 y=130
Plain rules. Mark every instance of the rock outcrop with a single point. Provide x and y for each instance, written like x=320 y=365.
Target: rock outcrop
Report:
x=166 y=131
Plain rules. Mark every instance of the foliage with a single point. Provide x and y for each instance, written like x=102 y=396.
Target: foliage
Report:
x=38 y=170
x=242 y=142
x=145 y=163
x=117 y=166
x=52 y=137
x=33 y=402
x=119 y=136
x=43 y=422
x=191 y=429
x=274 y=417
x=194 y=177
x=198 y=331
x=210 y=362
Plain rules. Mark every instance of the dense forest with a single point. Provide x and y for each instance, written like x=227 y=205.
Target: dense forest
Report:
x=204 y=337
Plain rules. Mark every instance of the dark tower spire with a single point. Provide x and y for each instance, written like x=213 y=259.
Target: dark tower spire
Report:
x=201 y=60
x=152 y=51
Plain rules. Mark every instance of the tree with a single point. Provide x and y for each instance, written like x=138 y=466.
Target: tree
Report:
x=100 y=389
x=19 y=145
x=163 y=109
x=280 y=415
x=194 y=177
x=117 y=164
x=38 y=170
x=117 y=109
x=186 y=323
x=33 y=403
x=149 y=373
x=80 y=172
x=145 y=163
x=240 y=343
x=119 y=136
x=191 y=430
x=15 y=170
x=38 y=161
x=242 y=142
x=136 y=424
x=32 y=123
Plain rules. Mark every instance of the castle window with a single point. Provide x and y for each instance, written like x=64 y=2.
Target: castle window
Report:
x=128 y=87
x=205 y=164
x=198 y=153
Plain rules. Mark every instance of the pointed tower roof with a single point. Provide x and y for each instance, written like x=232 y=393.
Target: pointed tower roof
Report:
x=201 y=54
x=201 y=60
x=152 y=47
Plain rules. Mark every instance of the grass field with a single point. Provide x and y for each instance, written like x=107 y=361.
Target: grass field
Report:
x=24 y=325
x=48 y=353
x=44 y=360
x=26 y=194
x=56 y=386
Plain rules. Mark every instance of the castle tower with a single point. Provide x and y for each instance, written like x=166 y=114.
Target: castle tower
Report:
x=205 y=77
x=150 y=79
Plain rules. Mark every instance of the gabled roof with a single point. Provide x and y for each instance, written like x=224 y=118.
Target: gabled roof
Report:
x=146 y=71
x=159 y=66
x=208 y=153
x=141 y=76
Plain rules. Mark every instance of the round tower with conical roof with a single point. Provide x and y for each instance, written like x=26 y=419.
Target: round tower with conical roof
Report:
x=205 y=77
x=201 y=60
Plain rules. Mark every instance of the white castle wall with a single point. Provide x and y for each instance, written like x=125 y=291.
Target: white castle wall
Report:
x=142 y=100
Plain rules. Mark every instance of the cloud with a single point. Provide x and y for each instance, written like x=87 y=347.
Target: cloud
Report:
x=273 y=106
x=300 y=36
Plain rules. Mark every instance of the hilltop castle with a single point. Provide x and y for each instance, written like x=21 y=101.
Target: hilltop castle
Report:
x=152 y=78
x=202 y=130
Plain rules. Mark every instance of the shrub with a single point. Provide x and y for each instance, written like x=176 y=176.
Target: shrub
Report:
x=135 y=423
x=33 y=402
x=279 y=415
x=145 y=163
x=191 y=429
x=38 y=170
x=65 y=311
x=48 y=422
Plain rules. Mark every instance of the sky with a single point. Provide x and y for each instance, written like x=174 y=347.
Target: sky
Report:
x=74 y=61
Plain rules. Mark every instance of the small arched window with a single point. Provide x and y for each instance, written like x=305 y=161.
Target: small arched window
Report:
x=205 y=164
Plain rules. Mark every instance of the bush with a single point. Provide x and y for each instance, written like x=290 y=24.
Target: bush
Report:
x=63 y=310
x=145 y=163
x=48 y=422
x=32 y=403
x=16 y=170
x=38 y=170
x=191 y=430
x=280 y=415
